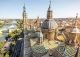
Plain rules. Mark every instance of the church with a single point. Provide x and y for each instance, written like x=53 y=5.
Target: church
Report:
x=44 y=40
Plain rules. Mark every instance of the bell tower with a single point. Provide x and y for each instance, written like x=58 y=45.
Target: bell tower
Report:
x=24 y=17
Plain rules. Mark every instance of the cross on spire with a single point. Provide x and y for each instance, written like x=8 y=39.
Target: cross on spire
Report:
x=24 y=6
x=50 y=2
x=50 y=5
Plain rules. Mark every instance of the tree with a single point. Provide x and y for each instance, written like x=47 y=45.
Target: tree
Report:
x=7 y=37
x=1 y=44
x=16 y=37
x=11 y=34
x=1 y=24
x=3 y=51
x=20 y=24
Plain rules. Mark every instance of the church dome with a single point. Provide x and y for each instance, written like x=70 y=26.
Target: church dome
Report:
x=75 y=30
x=49 y=24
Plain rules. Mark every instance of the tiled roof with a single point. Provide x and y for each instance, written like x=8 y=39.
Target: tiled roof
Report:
x=39 y=49
x=66 y=50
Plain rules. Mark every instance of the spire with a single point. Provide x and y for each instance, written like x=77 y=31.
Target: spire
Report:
x=49 y=6
x=76 y=20
x=24 y=8
x=25 y=17
x=49 y=12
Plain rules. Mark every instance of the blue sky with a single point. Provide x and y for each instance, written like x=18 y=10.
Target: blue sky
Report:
x=61 y=8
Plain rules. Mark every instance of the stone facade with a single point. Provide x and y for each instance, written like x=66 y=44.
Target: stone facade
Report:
x=49 y=34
